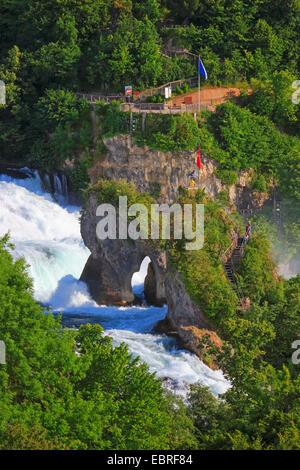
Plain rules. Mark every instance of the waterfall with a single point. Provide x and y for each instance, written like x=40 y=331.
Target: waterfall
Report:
x=64 y=183
x=57 y=185
x=47 y=183
x=47 y=233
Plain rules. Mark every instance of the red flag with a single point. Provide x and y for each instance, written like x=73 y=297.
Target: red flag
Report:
x=198 y=159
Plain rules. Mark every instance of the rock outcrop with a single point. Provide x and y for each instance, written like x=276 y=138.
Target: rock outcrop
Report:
x=148 y=168
x=112 y=263
x=186 y=319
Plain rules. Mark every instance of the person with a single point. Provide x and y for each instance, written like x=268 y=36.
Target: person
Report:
x=192 y=182
x=246 y=238
x=192 y=174
x=248 y=227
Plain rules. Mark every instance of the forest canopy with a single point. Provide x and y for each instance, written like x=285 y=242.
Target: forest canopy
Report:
x=103 y=45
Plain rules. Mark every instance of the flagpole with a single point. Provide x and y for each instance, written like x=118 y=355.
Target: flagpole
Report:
x=199 y=106
x=198 y=85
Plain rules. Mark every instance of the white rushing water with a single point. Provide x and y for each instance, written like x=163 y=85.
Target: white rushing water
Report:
x=47 y=233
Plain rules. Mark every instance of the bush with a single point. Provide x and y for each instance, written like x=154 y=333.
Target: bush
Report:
x=239 y=140
x=258 y=271
x=112 y=121
x=258 y=183
x=170 y=133
x=59 y=107
x=179 y=91
x=228 y=177
x=202 y=270
x=79 y=175
x=155 y=99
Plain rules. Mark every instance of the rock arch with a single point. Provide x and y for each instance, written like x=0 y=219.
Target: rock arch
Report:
x=112 y=263
x=109 y=277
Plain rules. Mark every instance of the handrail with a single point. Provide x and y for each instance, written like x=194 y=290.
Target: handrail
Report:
x=92 y=97
x=241 y=249
x=229 y=249
x=151 y=91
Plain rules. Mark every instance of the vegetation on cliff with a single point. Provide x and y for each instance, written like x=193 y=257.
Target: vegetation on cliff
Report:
x=261 y=410
x=169 y=133
x=234 y=136
x=202 y=270
x=239 y=139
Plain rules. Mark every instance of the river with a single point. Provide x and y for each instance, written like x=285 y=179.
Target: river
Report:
x=45 y=230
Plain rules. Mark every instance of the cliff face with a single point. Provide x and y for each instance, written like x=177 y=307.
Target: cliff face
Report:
x=146 y=168
x=185 y=317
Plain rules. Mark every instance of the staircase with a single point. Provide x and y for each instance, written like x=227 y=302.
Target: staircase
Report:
x=231 y=266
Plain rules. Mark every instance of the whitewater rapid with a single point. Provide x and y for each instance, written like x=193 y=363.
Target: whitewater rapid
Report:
x=45 y=230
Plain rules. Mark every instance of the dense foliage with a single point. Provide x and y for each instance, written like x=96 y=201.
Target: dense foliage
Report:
x=202 y=269
x=240 y=140
x=261 y=409
x=51 y=49
x=170 y=133
x=252 y=39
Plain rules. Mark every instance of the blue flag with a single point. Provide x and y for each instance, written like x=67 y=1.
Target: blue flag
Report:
x=202 y=70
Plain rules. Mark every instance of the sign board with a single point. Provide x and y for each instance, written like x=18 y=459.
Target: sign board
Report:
x=2 y=352
x=168 y=92
x=2 y=93
x=188 y=100
x=128 y=90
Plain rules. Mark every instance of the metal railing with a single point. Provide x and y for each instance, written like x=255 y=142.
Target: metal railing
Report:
x=240 y=246
x=173 y=85
x=93 y=97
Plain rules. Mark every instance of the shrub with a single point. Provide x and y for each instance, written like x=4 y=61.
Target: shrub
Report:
x=112 y=121
x=59 y=107
x=79 y=175
x=202 y=270
x=239 y=140
x=170 y=133
x=228 y=177
x=259 y=184
x=258 y=271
